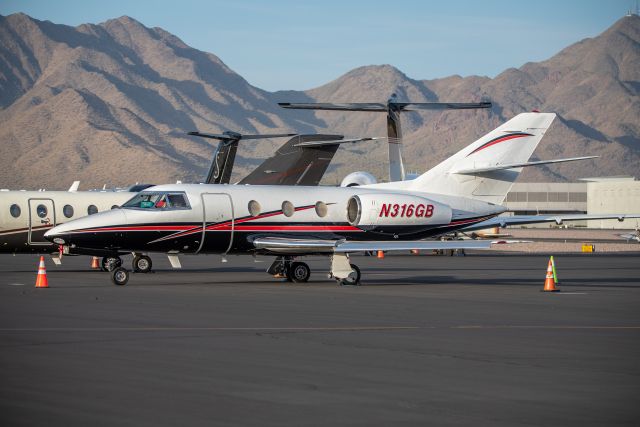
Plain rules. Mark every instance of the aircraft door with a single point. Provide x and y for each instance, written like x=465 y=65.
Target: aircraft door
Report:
x=42 y=217
x=218 y=223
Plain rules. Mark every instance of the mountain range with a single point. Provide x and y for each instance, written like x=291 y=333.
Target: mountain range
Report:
x=112 y=103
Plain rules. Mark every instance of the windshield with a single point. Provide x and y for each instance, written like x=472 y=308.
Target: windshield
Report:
x=158 y=200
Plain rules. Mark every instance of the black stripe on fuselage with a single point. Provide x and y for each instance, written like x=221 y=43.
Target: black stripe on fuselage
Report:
x=218 y=240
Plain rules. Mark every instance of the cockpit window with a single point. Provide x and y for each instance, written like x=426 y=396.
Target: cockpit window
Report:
x=177 y=201
x=157 y=200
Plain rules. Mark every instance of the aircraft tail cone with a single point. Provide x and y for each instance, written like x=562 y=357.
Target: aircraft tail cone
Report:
x=95 y=265
x=549 y=282
x=381 y=254
x=41 y=280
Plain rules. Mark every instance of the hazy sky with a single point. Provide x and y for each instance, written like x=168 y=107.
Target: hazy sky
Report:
x=288 y=44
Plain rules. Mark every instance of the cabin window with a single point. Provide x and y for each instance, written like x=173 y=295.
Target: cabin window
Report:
x=67 y=210
x=287 y=208
x=254 y=208
x=15 y=211
x=41 y=210
x=321 y=209
x=92 y=209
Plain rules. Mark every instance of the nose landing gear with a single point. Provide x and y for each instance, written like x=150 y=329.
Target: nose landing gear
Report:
x=120 y=276
x=110 y=263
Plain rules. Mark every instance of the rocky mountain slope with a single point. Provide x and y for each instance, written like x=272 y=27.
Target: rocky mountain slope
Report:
x=111 y=103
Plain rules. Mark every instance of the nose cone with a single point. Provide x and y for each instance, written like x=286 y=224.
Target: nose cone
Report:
x=82 y=231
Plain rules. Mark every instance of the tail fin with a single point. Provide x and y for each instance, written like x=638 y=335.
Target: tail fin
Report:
x=511 y=143
x=296 y=164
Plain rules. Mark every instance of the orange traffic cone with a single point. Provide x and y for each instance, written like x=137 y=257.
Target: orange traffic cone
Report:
x=381 y=254
x=41 y=281
x=95 y=265
x=549 y=282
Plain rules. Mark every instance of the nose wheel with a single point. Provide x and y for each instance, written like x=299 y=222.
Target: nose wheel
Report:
x=120 y=276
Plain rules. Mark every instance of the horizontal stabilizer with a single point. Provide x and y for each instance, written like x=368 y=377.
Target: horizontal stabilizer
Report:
x=360 y=106
x=333 y=142
x=474 y=171
x=440 y=105
x=233 y=136
x=379 y=107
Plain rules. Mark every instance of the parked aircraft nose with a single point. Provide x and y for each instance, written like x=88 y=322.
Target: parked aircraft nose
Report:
x=82 y=231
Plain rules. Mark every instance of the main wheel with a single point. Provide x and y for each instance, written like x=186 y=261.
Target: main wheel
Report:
x=110 y=263
x=120 y=276
x=353 y=279
x=142 y=264
x=298 y=272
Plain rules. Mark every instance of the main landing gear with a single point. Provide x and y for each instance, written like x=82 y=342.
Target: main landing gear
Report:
x=294 y=271
x=342 y=271
x=353 y=279
x=345 y=273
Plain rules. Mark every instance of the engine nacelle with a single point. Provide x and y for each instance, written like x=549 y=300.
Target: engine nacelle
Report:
x=358 y=178
x=372 y=211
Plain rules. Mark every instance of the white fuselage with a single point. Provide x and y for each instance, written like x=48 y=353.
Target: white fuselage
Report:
x=26 y=215
x=224 y=218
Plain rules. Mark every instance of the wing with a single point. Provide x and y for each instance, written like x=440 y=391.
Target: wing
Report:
x=281 y=245
x=504 y=221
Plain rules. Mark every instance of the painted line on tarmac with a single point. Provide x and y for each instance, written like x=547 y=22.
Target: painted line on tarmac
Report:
x=573 y=293
x=545 y=327
x=15 y=284
x=319 y=329
x=221 y=329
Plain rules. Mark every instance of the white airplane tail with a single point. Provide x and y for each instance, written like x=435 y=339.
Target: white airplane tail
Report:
x=487 y=169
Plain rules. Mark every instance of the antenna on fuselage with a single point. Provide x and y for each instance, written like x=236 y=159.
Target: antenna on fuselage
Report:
x=225 y=155
x=394 y=131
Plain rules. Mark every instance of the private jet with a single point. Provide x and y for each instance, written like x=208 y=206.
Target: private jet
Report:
x=26 y=215
x=294 y=221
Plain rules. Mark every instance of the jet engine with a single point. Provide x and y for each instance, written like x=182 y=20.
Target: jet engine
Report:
x=372 y=211
x=358 y=178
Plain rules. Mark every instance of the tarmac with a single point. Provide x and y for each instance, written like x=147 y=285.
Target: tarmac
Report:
x=426 y=340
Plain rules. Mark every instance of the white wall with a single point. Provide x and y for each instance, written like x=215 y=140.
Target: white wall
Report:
x=614 y=197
